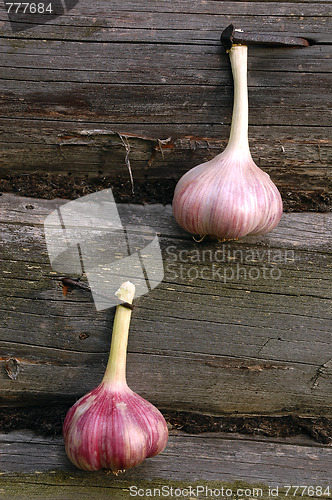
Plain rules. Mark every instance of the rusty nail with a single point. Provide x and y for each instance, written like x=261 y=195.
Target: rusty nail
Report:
x=70 y=283
x=232 y=36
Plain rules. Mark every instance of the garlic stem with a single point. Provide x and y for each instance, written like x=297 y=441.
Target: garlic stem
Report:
x=115 y=373
x=229 y=196
x=238 y=140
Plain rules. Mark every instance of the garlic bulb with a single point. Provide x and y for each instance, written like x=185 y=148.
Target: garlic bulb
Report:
x=229 y=196
x=112 y=427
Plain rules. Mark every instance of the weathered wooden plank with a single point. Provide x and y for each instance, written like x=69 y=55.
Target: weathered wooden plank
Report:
x=193 y=8
x=185 y=104
x=302 y=231
x=297 y=161
x=135 y=71
x=269 y=341
x=191 y=143
x=176 y=18
x=177 y=64
x=158 y=70
x=111 y=22
x=187 y=458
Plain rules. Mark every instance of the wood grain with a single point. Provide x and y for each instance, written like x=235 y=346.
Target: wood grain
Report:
x=216 y=458
x=158 y=71
x=217 y=336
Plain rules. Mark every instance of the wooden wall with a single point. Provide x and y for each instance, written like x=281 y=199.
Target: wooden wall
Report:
x=116 y=83
x=149 y=80
x=156 y=70
x=218 y=336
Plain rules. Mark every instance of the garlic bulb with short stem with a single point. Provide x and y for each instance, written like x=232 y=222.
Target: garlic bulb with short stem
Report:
x=112 y=427
x=229 y=196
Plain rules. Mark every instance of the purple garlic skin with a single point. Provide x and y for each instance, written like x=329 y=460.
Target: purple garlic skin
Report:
x=112 y=427
x=230 y=196
x=227 y=197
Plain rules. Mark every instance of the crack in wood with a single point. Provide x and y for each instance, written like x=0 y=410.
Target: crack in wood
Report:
x=322 y=371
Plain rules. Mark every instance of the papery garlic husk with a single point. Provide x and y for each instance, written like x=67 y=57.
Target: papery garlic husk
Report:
x=229 y=196
x=112 y=427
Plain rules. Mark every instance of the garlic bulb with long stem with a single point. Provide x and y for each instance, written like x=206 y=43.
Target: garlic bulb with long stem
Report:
x=229 y=196
x=112 y=427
